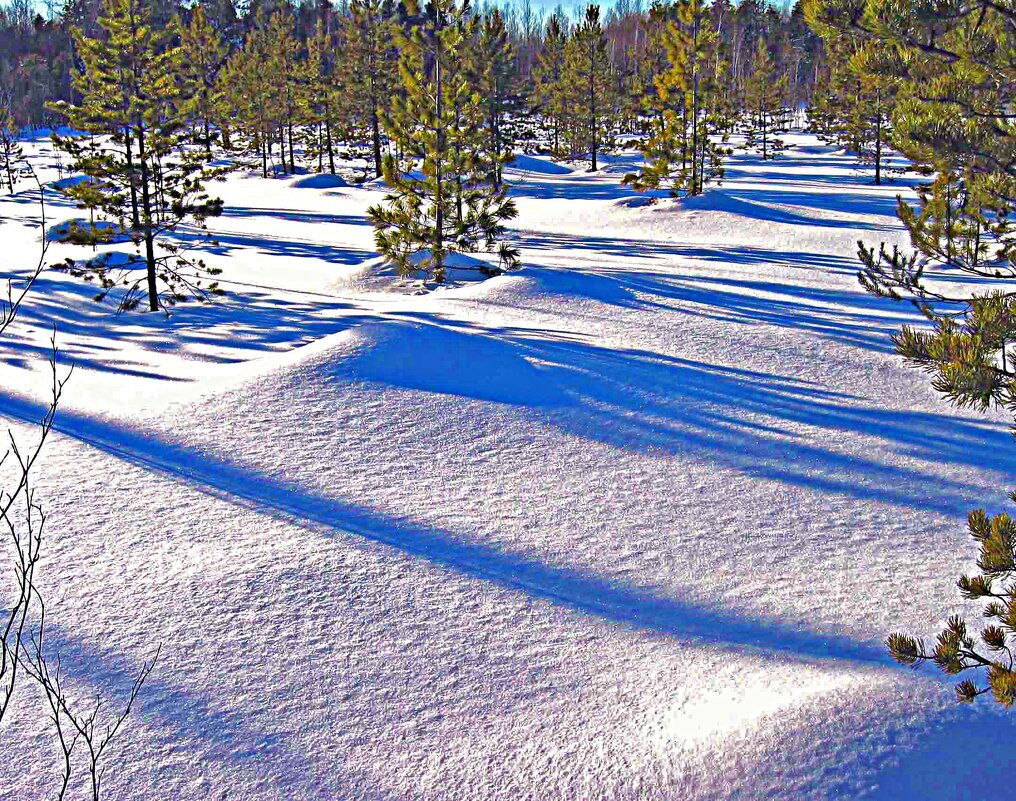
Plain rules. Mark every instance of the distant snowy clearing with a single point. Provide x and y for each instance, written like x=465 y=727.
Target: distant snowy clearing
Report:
x=629 y=523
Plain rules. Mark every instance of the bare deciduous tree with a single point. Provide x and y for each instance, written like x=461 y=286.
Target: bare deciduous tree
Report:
x=76 y=721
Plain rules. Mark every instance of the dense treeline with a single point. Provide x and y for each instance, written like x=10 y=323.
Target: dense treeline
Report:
x=435 y=97
x=348 y=48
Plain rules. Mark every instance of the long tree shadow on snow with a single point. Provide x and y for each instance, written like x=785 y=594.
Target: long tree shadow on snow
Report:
x=762 y=424
x=588 y=593
x=551 y=241
x=849 y=316
x=250 y=320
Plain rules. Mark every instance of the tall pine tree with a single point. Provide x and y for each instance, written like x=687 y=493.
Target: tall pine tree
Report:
x=128 y=87
x=590 y=88
x=550 y=92
x=202 y=56
x=450 y=205
x=370 y=67
x=763 y=100
x=681 y=152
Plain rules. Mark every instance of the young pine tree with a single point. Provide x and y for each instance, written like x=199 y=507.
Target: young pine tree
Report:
x=588 y=78
x=853 y=102
x=973 y=363
x=763 y=98
x=247 y=100
x=128 y=88
x=12 y=158
x=287 y=73
x=370 y=67
x=495 y=63
x=450 y=206
x=202 y=56
x=550 y=90
x=320 y=98
x=680 y=152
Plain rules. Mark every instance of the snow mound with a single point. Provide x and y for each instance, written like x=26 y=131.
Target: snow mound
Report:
x=636 y=202
x=539 y=164
x=379 y=274
x=320 y=181
x=111 y=260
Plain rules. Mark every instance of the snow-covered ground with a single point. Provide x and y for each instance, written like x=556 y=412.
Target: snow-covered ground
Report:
x=631 y=522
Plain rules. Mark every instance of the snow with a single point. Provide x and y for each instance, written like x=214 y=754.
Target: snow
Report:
x=631 y=522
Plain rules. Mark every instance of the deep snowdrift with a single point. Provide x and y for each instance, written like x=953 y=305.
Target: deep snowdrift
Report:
x=630 y=523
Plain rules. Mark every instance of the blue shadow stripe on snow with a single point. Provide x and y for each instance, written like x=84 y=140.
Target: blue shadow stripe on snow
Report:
x=590 y=594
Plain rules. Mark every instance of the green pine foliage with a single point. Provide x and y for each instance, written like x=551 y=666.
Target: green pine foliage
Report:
x=590 y=90
x=683 y=151
x=764 y=95
x=129 y=101
x=320 y=98
x=441 y=197
x=854 y=100
x=495 y=64
x=952 y=67
x=990 y=652
x=12 y=157
x=202 y=57
x=370 y=70
x=550 y=93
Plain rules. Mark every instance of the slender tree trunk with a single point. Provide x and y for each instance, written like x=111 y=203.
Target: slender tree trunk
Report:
x=328 y=146
x=292 y=158
x=135 y=216
x=878 y=137
x=592 y=98
x=695 y=177
x=146 y=203
x=438 y=254
x=375 y=132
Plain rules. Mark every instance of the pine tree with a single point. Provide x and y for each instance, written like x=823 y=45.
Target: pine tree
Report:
x=764 y=101
x=128 y=86
x=956 y=67
x=680 y=152
x=587 y=74
x=450 y=206
x=91 y=196
x=370 y=67
x=251 y=102
x=495 y=60
x=202 y=56
x=973 y=363
x=286 y=72
x=320 y=100
x=854 y=102
x=550 y=90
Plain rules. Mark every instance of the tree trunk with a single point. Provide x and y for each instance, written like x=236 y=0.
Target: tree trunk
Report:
x=592 y=98
x=146 y=204
x=878 y=138
x=375 y=133
x=135 y=216
x=438 y=254
x=328 y=146
x=292 y=158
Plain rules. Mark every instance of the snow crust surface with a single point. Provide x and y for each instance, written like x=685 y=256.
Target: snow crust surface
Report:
x=629 y=523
